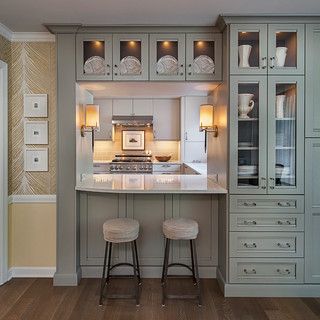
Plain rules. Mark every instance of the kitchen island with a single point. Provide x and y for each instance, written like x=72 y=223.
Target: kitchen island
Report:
x=150 y=199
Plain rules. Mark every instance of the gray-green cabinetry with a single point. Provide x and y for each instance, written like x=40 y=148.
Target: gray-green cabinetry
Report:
x=105 y=113
x=312 y=211
x=130 y=57
x=94 y=56
x=312 y=80
x=167 y=57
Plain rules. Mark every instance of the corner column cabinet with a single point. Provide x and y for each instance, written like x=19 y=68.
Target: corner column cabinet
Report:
x=267 y=49
x=266 y=135
x=94 y=56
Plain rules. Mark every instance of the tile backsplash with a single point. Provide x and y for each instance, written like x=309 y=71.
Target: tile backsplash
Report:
x=106 y=150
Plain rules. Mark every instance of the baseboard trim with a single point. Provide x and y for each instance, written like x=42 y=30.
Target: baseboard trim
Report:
x=146 y=271
x=31 y=272
x=32 y=198
x=67 y=279
x=221 y=281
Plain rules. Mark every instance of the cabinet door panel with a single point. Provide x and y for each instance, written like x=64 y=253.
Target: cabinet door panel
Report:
x=122 y=107
x=248 y=54
x=248 y=134
x=142 y=107
x=166 y=120
x=312 y=214
x=313 y=81
x=105 y=111
x=285 y=135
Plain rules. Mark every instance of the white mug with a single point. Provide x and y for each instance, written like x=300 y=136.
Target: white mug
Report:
x=280 y=99
x=245 y=104
x=281 y=54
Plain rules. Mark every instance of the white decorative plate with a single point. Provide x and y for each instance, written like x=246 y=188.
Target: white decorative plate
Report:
x=167 y=65
x=130 y=65
x=95 y=65
x=203 y=64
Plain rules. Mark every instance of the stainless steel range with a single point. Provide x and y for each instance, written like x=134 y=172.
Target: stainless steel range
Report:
x=130 y=163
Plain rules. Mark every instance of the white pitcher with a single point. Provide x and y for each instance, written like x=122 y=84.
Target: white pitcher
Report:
x=281 y=54
x=244 y=54
x=280 y=99
x=245 y=104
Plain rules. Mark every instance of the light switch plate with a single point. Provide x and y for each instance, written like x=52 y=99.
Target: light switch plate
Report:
x=36 y=159
x=35 y=105
x=36 y=132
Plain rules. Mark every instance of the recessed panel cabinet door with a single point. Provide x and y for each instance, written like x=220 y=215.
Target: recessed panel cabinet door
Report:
x=94 y=57
x=122 y=107
x=285 y=135
x=167 y=57
x=312 y=213
x=130 y=57
x=313 y=81
x=105 y=111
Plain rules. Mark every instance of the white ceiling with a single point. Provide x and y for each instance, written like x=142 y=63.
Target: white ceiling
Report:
x=29 y=15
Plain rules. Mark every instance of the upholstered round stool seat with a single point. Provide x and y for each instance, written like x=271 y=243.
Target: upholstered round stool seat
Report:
x=180 y=229
x=120 y=230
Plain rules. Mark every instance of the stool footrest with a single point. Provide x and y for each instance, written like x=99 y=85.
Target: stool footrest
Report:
x=182 y=296
x=179 y=265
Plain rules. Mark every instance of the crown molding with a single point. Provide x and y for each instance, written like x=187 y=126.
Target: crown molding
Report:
x=45 y=198
x=26 y=36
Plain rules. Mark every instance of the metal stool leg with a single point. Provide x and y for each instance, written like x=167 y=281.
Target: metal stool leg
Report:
x=192 y=262
x=103 y=282
x=135 y=274
x=137 y=260
x=196 y=271
x=165 y=271
x=109 y=262
x=165 y=256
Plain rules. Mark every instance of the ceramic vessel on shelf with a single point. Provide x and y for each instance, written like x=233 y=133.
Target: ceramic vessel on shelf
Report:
x=245 y=104
x=244 y=54
x=280 y=99
x=281 y=54
x=167 y=65
x=203 y=64
x=94 y=65
x=130 y=65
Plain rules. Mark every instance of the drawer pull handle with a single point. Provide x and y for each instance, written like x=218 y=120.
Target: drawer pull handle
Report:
x=285 y=271
x=284 y=204
x=284 y=245
x=246 y=222
x=281 y=222
x=250 y=245
x=253 y=271
x=249 y=204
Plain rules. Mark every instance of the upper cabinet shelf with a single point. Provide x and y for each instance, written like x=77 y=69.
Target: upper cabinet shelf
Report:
x=154 y=57
x=267 y=49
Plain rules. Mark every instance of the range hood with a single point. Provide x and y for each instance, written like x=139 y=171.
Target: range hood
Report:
x=133 y=121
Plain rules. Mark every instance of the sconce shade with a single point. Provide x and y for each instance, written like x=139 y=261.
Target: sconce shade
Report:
x=92 y=115
x=206 y=116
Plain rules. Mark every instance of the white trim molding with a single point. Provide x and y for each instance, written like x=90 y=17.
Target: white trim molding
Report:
x=26 y=36
x=31 y=272
x=44 y=198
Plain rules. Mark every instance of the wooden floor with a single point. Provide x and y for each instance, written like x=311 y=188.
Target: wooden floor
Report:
x=37 y=299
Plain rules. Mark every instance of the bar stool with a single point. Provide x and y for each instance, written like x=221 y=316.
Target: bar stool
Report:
x=122 y=230
x=180 y=229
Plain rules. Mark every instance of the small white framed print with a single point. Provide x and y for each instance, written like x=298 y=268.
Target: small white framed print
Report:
x=36 y=159
x=35 y=105
x=133 y=140
x=36 y=132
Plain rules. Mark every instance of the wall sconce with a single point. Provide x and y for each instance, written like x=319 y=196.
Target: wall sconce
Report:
x=91 y=121
x=206 y=122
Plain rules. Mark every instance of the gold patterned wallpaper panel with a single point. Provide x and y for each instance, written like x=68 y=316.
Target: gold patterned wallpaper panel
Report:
x=4 y=49
x=32 y=69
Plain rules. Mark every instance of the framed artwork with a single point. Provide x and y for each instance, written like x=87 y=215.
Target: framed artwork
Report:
x=36 y=132
x=133 y=140
x=36 y=159
x=35 y=105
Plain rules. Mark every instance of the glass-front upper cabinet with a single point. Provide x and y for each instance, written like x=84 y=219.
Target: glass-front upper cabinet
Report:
x=203 y=56
x=248 y=52
x=130 y=57
x=94 y=57
x=248 y=134
x=286 y=48
x=285 y=134
x=167 y=57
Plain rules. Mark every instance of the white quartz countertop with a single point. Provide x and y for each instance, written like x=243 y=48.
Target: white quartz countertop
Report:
x=199 y=167
x=149 y=183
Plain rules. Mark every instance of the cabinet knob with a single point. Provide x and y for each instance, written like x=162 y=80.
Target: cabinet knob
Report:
x=250 y=245
x=181 y=73
x=189 y=73
x=116 y=66
x=285 y=271
x=248 y=204
x=252 y=271
x=284 y=245
x=272 y=59
x=190 y=65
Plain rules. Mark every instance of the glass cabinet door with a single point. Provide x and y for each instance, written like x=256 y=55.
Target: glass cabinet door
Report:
x=167 y=57
x=130 y=57
x=286 y=48
x=248 y=52
x=285 y=134
x=94 y=57
x=248 y=134
x=204 y=56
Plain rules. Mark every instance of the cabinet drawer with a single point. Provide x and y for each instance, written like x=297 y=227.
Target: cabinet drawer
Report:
x=267 y=204
x=266 y=222
x=244 y=270
x=166 y=167
x=266 y=244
